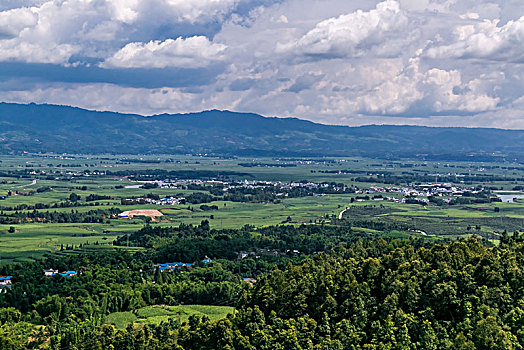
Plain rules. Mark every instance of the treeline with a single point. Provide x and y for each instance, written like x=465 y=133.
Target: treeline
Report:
x=410 y=178
x=189 y=242
x=69 y=308
x=461 y=295
x=73 y=197
x=74 y=216
x=160 y=174
x=267 y=165
x=37 y=206
x=243 y=194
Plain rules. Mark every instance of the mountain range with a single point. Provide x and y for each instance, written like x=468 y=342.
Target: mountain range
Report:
x=62 y=129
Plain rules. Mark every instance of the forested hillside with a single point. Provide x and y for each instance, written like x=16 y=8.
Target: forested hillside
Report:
x=365 y=293
x=49 y=128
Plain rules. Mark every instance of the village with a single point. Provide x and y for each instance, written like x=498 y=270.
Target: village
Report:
x=421 y=192
x=282 y=189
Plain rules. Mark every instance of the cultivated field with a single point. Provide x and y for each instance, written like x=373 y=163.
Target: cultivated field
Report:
x=46 y=184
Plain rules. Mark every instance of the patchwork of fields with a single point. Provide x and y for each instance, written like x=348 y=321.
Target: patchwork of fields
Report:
x=46 y=184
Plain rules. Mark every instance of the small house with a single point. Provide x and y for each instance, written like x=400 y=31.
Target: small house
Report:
x=50 y=272
x=5 y=280
x=5 y=283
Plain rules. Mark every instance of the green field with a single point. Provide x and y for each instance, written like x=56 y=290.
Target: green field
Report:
x=451 y=222
x=162 y=313
x=33 y=240
x=51 y=179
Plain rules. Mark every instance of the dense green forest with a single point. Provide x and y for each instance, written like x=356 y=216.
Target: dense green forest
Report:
x=49 y=128
x=335 y=289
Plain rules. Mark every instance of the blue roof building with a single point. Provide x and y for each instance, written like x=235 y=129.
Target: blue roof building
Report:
x=66 y=274
x=5 y=279
x=173 y=266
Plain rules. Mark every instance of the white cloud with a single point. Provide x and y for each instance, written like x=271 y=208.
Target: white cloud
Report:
x=12 y=22
x=60 y=32
x=164 y=11
x=11 y=50
x=194 y=10
x=484 y=40
x=434 y=91
x=125 y=11
x=351 y=34
x=192 y=52
x=109 y=97
x=50 y=32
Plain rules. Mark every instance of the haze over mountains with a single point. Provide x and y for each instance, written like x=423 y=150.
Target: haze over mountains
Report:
x=51 y=128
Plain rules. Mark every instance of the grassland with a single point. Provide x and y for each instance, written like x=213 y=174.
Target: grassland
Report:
x=162 y=313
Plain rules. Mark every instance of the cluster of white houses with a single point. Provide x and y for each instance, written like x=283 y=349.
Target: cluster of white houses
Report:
x=161 y=201
x=227 y=185
x=423 y=190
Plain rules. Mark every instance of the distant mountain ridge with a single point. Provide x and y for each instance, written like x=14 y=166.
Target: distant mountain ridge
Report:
x=63 y=129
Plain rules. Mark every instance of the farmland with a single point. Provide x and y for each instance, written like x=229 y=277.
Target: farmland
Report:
x=99 y=184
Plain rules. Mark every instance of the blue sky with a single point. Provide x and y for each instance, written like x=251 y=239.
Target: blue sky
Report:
x=423 y=62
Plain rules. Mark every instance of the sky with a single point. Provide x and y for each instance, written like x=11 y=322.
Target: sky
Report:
x=347 y=62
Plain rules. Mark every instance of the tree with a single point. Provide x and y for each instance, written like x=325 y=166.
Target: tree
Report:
x=490 y=335
x=158 y=276
x=73 y=197
x=205 y=225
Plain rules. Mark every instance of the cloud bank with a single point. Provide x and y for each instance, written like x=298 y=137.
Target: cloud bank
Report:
x=425 y=62
x=196 y=51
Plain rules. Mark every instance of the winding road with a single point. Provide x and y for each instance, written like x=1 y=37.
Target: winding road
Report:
x=31 y=184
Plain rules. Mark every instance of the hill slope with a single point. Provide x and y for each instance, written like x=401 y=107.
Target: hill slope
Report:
x=50 y=128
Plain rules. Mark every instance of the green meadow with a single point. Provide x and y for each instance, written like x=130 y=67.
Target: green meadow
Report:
x=163 y=313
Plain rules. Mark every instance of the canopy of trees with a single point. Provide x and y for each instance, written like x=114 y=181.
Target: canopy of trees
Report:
x=362 y=293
